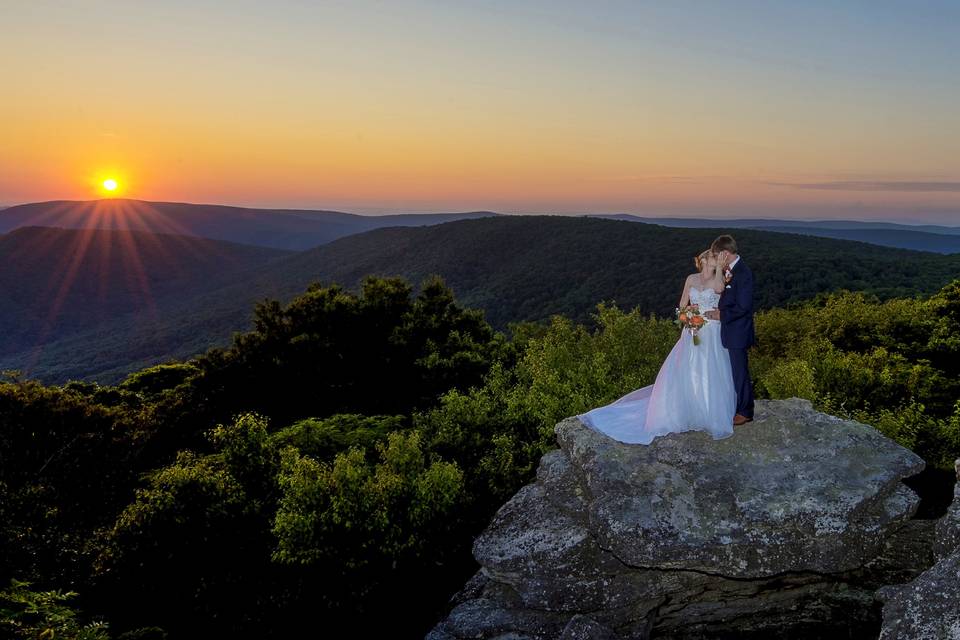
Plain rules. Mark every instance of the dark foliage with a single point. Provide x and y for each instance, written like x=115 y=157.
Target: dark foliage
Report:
x=333 y=465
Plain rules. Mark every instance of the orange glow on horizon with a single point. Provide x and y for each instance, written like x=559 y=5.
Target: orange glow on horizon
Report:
x=647 y=108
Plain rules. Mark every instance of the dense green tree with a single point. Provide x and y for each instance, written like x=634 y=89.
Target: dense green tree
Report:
x=330 y=351
x=195 y=540
x=60 y=448
x=352 y=444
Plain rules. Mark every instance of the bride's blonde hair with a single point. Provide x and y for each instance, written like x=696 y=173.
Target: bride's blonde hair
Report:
x=698 y=260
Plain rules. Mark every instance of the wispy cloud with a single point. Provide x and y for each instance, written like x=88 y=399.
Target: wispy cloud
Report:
x=651 y=179
x=870 y=185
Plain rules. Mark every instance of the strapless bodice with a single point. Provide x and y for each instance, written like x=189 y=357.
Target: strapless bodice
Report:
x=706 y=299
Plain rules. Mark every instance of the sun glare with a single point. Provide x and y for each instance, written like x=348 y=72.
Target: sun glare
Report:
x=108 y=182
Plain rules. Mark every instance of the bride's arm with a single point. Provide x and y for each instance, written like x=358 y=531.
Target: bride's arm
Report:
x=718 y=283
x=685 y=296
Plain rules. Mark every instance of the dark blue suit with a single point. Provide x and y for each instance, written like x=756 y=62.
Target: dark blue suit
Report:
x=736 y=332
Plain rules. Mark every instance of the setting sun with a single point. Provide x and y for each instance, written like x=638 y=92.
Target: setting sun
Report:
x=108 y=182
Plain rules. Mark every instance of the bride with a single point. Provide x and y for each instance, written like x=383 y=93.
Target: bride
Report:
x=694 y=388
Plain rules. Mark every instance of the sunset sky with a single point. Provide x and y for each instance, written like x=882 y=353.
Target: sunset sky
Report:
x=792 y=109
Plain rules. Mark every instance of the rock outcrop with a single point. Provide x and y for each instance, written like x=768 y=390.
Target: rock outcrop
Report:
x=786 y=529
x=928 y=608
x=947 y=539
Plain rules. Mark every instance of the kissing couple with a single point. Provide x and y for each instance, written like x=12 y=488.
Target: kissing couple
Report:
x=704 y=383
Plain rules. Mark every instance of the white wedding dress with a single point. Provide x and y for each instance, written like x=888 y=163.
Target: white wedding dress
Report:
x=693 y=390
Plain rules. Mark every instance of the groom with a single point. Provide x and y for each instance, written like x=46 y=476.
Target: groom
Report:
x=735 y=312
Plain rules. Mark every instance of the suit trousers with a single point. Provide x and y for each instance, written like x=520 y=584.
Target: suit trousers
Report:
x=742 y=382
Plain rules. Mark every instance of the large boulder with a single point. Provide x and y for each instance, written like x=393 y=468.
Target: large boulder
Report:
x=928 y=607
x=786 y=529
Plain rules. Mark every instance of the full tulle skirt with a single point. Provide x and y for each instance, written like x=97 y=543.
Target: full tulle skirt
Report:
x=693 y=390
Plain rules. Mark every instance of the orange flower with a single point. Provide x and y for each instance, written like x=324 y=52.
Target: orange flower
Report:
x=697 y=321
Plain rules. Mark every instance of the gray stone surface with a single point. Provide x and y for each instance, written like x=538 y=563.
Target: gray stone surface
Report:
x=583 y=627
x=793 y=490
x=948 y=527
x=928 y=607
x=785 y=529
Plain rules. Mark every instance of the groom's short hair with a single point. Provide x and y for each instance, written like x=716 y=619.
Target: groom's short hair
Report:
x=724 y=243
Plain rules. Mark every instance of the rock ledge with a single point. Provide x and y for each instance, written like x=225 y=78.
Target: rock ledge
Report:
x=788 y=527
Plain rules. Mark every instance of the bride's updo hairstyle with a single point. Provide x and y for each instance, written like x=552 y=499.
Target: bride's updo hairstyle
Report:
x=698 y=260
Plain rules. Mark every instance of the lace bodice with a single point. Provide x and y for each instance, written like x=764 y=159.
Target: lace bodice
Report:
x=705 y=299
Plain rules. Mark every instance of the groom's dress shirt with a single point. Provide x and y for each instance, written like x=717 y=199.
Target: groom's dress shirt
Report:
x=730 y=268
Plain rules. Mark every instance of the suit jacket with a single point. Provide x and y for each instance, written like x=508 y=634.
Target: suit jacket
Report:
x=736 y=309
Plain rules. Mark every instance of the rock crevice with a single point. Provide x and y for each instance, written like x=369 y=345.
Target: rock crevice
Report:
x=928 y=607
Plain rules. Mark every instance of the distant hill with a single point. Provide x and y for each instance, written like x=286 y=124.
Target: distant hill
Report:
x=55 y=282
x=299 y=229
x=293 y=229
x=936 y=238
x=760 y=223
x=512 y=267
x=900 y=238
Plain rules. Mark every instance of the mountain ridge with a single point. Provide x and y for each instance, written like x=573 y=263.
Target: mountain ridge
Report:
x=512 y=267
x=291 y=229
x=924 y=237
x=750 y=223
x=299 y=229
x=58 y=281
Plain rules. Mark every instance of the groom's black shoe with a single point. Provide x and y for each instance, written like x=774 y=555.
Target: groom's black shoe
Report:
x=739 y=419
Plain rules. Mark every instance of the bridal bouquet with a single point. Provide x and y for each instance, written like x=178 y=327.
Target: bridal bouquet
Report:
x=689 y=318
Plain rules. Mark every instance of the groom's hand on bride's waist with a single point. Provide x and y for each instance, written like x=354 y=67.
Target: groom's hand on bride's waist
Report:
x=712 y=314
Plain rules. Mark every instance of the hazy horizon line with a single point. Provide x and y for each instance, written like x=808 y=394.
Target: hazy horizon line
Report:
x=773 y=216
